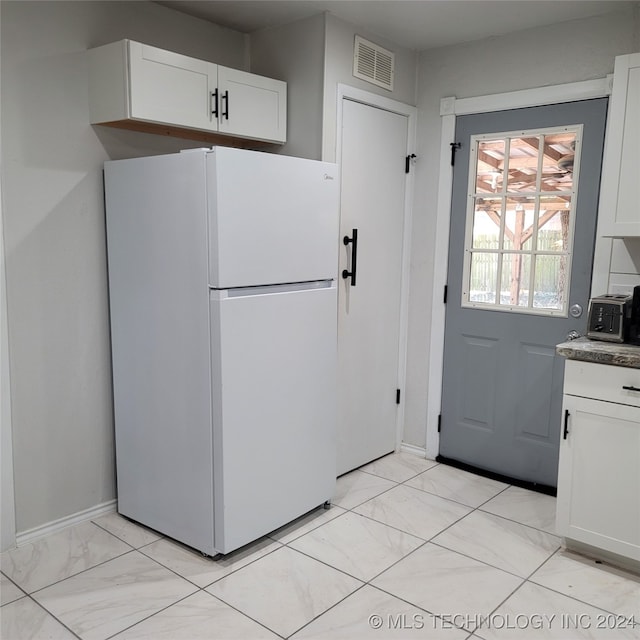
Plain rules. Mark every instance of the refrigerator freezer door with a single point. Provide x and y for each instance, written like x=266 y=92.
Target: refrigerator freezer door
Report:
x=274 y=408
x=272 y=218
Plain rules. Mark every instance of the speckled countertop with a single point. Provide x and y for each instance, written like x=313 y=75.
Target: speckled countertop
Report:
x=621 y=355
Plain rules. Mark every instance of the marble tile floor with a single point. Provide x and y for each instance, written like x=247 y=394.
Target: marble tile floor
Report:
x=409 y=549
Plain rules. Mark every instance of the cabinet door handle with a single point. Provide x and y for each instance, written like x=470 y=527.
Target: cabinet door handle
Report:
x=565 y=433
x=214 y=98
x=631 y=388
x=225 y=103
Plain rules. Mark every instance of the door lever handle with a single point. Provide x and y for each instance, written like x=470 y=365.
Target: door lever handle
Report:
x=630 y=388
x=354 y=256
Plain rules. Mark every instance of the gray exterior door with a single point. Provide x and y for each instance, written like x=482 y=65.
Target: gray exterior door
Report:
x=524 y=206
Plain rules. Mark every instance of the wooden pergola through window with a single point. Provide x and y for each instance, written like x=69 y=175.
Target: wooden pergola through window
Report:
x=524 y=184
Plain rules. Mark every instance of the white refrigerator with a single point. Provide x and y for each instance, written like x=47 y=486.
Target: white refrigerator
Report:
x=222 y=279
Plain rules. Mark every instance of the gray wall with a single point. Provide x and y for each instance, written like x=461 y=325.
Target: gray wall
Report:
x=295 y=53
x=323 y=58
x=567 y=52
x=53 y=214
x=339 y=70
x=54 y=237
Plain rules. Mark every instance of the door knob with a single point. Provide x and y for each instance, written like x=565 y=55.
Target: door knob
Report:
x=575 y=310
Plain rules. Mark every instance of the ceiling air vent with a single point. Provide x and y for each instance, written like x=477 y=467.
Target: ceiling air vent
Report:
x=373 y=63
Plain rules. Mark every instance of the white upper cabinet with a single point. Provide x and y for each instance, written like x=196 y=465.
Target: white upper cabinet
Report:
x=620 y=196
x=136 y=86
x=171 y=88
x=251 y=106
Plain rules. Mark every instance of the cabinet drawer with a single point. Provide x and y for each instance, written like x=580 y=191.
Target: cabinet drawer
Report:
x=602 y=382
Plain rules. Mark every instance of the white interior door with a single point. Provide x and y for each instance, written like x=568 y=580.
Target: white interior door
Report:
x=373 y=151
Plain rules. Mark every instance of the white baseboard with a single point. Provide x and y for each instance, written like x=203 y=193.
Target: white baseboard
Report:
x=43 y=530
x=411 y=448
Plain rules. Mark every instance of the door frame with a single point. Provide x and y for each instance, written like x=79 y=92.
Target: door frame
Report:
x=7 y=499
x=347 y=92
x=450 y=108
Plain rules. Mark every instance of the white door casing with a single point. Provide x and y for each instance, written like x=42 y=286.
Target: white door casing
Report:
x=451 y=107
x=7 y=495
x=7 y=499
x=378 y=307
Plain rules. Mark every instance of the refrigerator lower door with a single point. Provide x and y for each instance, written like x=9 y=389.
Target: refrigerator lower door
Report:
x=274 y=407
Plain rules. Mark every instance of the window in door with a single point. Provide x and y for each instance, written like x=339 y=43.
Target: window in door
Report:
x=520 y=219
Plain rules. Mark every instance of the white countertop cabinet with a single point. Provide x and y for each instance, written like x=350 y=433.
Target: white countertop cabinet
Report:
x=599 y=471
x=619 y=208
x=140 y=87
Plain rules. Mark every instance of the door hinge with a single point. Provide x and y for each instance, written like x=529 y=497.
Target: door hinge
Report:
x=439 y=422
x=446 y=291
x=454 y=147
x=407 y=162
x=397 y=396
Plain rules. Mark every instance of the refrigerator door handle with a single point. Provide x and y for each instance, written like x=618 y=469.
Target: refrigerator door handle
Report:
x=354 y=256
x=260 y=290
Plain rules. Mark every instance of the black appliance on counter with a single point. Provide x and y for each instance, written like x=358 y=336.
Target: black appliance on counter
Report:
x=615 y=317
x=634 y=323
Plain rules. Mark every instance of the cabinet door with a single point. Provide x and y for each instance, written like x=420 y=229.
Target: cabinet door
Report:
x=170 y=88
x=599 y=476
x=252 y=106
x=620 y=201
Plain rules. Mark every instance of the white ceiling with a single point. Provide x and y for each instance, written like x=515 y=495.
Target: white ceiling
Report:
x=414 y=24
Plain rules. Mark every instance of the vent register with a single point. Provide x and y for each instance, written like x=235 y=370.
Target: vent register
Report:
x=373 y=63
